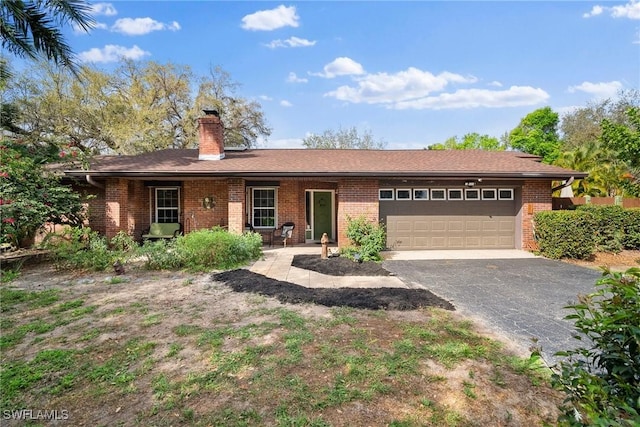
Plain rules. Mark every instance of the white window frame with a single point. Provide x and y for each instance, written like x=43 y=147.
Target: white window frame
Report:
x=385 y=190
x=444 y=194
x=455 y=199
x=510 y=197
x=274 y=208
x=155 y=202
x=495 y=194
x=423 y=191
x=408 y=193
x=468 y=191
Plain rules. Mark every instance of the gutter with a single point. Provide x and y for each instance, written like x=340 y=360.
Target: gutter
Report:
x=91 y=181
x=333 y=174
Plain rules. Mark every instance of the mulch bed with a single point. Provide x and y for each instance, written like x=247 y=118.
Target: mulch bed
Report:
x=243 y=280
x=338 y=266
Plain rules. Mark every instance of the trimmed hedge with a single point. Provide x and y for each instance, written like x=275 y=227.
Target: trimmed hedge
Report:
x=579 y=234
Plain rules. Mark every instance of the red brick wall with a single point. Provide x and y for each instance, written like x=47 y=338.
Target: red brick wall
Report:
x=236 y=191
x=536 y=197
x=194 y=215
x=356 y=197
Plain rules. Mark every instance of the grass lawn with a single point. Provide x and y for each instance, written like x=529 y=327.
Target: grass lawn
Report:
x=173 y=348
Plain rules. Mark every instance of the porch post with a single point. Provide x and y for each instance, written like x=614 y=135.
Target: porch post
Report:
x=116 y=209
x=236 y=205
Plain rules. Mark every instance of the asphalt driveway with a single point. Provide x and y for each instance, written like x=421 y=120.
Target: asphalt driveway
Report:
x=519 y=299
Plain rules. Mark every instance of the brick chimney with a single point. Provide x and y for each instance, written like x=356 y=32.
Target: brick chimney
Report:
x=211 y=136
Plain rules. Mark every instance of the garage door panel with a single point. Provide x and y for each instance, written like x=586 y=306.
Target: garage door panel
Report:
x=450 y=232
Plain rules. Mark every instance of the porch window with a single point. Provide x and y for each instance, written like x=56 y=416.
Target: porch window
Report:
x=167 y=205
x=263 y=202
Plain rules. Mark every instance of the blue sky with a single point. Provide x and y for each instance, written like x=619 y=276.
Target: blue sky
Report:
x=412 y=73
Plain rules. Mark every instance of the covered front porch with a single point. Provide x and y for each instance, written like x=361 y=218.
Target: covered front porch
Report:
x=315 y=206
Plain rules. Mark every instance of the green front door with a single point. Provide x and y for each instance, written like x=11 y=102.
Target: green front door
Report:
x=322 y=214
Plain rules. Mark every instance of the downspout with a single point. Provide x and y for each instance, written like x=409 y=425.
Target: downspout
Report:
x=91 y=181
x=565 y=184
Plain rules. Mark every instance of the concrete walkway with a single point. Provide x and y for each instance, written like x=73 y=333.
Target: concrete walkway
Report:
x=276 y=264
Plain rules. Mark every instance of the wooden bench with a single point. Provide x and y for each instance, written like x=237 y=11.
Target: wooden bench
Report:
x=166 y=230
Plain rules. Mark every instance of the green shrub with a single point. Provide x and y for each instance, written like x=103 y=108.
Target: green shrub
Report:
x=631 y=227
x=203 y=250
x=80 y=248
x=602 y=378
x=565 y=234
x=608 y=226
x=217 y=249
x=160 y=254
x=368 y=238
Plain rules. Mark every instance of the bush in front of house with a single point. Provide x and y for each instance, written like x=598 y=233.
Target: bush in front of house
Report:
x=602 y=377
x=80 y=248
x=590 y=228
x=631 y=227
x=607 y=226
x=565 y=234
x=204 y=250
x=368 y=239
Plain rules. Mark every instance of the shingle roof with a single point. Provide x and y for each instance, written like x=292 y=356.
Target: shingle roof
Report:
x=336 y=163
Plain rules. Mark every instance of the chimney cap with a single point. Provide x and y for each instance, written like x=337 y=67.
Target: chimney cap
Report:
x=211 y=112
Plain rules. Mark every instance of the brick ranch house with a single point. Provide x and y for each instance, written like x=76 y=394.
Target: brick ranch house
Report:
x=427 y=199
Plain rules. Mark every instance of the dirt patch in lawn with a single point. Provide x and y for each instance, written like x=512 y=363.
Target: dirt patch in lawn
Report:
x=614 y=262
x=181 y=349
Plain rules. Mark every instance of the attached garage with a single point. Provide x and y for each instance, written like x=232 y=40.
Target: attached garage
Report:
x=472 y=219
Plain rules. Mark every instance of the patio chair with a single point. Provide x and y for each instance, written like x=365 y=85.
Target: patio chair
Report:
x=283 y=233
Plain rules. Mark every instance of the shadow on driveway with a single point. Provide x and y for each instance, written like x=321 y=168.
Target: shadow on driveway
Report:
x=519 y=299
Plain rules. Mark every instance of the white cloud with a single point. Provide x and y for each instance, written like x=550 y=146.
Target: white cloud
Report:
x=515 y=96
x=285 y=103
x=293 y=78
x=342 y=66
x=141 y=26
x=595 y=11
x=393 y=88
x=600 y=90
x=112 y=53
x=630 y=10
x=268 y=20
x=495 y=83
x=290 y=42
x=265 y=98
x=103 y=9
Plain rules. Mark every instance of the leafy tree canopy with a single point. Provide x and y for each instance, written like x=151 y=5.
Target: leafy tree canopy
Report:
x=584 y=125
x=139 y=107
x=31 y=195
x=32 y=29
x=537 y=134
x=625 y=141
x=470 y=141
x=343 y=139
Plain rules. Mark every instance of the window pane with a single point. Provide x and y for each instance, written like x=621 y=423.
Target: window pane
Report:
x=472 y=194
x=455 y=194
x=403 y=194
x=167 y=205
x=438 y=195
x=264 y=203
x=488 y=194
x=505 y=194
x=421 y=194
x=386 y=194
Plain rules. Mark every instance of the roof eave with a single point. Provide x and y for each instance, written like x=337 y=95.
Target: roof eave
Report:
x=374 y=174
